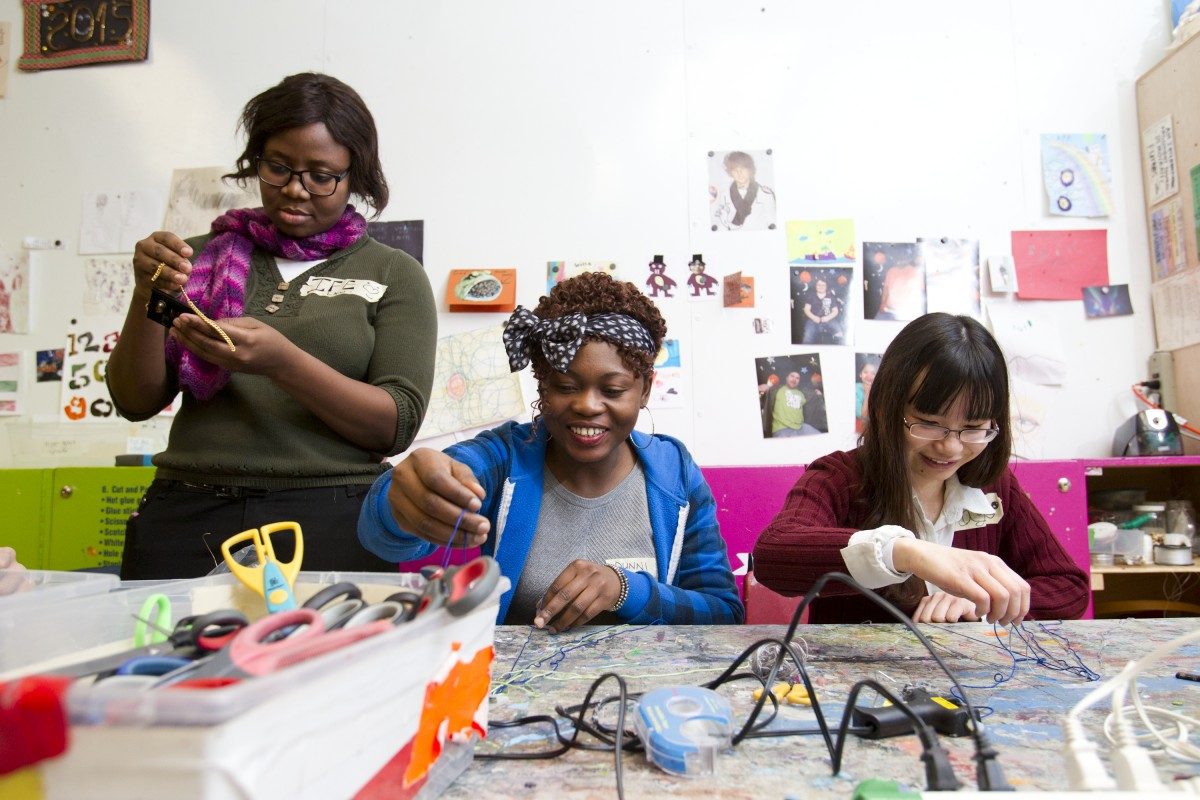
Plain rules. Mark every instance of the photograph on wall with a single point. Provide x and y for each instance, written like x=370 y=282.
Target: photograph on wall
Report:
x=820 y=304
x=893 y=281
x=1107 y=301
x=659 y=283
x=791 y=395
x=741 y=196
x=821 y=241
x=10 y=383
x=407 y=235
x=14 y=292
x=865 y=367
x=559 y=271
x=951 y=274
x=198 y=195
x=1076 y=174
x=107 y=285
x=49 y=365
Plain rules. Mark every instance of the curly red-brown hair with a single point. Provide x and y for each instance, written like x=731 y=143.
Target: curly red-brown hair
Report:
x=597 y=293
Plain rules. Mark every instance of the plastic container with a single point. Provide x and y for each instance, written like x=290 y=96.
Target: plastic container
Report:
x=36 y=587
x=369 y=717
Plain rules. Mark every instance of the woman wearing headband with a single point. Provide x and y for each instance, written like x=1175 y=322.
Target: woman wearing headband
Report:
x=591 y=520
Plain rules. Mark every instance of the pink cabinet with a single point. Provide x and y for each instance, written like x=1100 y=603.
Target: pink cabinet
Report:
x=1059 y=490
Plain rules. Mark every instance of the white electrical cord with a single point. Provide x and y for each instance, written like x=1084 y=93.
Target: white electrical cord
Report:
x=1134 y=771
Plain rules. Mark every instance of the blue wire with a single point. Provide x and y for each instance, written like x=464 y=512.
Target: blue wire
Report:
x=450 y=544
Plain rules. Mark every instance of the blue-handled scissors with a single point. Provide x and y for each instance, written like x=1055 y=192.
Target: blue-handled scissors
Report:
x=192 y=636
x=270 y=578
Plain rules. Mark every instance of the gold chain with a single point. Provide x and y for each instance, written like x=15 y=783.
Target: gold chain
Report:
x=211 y=324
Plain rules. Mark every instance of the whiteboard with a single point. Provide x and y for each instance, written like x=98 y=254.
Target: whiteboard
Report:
x=528 y=132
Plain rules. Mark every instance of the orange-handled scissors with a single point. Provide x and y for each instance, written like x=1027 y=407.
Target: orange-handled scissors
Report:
x=271 y=578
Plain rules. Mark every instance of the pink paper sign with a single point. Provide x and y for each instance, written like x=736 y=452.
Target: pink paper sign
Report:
x=1056 y=265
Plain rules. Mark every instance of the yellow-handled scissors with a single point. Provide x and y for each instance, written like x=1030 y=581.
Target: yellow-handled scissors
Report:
x=271 y=578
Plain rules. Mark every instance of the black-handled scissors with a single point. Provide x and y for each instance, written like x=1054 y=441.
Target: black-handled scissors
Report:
x=193 y=636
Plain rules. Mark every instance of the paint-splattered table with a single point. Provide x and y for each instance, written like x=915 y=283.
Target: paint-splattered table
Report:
x=534 y=672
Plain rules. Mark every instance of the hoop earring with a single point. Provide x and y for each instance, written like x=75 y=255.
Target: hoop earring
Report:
x=652 y=428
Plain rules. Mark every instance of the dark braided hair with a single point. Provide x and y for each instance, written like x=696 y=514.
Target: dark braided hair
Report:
x=597 y=293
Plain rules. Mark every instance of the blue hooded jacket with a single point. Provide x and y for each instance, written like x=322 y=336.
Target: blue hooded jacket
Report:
x=693 y=583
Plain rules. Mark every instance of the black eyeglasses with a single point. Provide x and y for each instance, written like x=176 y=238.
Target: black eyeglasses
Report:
x=316 y=182
x=930 y=432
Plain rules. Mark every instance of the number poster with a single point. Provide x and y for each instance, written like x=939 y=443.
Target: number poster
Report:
x=85 y=398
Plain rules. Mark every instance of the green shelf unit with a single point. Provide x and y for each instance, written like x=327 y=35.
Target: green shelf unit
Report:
x=88 y=509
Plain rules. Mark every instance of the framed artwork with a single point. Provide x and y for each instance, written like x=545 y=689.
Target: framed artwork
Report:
x=75 y=33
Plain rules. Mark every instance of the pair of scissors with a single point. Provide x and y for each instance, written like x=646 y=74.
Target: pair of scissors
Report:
x=157 y=607
x=254 y=652
x=270 y=578
x=459 y=589
x=192 y=636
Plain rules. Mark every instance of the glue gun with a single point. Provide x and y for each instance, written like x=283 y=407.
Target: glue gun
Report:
x=944 y=716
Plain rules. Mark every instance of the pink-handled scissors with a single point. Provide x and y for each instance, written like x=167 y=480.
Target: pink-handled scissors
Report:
x=250 y=653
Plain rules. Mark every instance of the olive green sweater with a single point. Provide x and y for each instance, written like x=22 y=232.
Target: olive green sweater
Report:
x=369 y=313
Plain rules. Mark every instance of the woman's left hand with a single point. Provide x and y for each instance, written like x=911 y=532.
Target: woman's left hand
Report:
x=259 y=347
x=943 y=607
x=579 y=593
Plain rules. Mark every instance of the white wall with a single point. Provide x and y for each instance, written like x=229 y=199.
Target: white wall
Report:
x=523 y=132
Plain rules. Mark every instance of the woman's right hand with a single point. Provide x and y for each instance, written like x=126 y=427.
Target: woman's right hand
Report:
x=428 y=493
x=161 y=247
x=997 y=592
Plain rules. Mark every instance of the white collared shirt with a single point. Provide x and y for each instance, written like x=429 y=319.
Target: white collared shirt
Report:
x=868 y=554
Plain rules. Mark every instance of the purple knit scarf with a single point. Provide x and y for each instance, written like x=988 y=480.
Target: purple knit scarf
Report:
x=217 y=284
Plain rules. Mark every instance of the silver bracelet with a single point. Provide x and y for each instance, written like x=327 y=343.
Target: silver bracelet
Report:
x=621 y=598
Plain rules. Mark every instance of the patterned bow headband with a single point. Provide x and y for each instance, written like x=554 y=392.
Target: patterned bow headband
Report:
x=561 y=338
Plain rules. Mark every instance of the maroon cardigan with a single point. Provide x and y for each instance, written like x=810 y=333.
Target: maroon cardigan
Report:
x=820 y=515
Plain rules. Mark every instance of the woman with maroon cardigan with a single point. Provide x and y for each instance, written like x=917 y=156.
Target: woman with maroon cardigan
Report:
x=925 y=510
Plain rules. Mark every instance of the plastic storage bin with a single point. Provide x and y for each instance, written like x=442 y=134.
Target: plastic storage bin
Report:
x=371 y=718
x=38 y=587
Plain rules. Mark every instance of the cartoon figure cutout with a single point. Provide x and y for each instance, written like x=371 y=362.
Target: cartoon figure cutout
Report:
x=699 y=281
x=659 y=280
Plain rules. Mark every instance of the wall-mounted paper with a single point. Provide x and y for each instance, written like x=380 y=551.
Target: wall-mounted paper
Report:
x=12 y=373
x=1032 y=345
x=472 y=383
x=1107 y=301
x=84 y=396
x=1158 y=142
x=108 y=286
x=408 y=235
x=821 y=241
x=1166 y=234
x=1075 y=172
x=49 y=365
x=1055 y=265
x=198 y=195
x=559 y=271
x=113 y=222
x=951 y=274
x=14 y=292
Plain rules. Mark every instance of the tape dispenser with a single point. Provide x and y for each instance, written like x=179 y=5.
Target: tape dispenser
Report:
x=683 y=727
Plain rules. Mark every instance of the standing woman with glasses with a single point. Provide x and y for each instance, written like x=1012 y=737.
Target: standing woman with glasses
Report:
x=312 y=359
x=925 y=510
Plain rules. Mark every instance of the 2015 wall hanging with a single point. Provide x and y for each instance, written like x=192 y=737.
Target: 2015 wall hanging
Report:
x=75 y=33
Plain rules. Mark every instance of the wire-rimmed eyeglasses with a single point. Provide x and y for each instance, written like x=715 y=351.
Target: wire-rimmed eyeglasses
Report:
x=931 y=432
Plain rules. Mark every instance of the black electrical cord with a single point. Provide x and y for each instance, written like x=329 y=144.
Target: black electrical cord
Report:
x=989 y=776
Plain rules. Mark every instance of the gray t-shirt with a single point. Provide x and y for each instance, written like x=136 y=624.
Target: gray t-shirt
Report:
x=613 y=528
